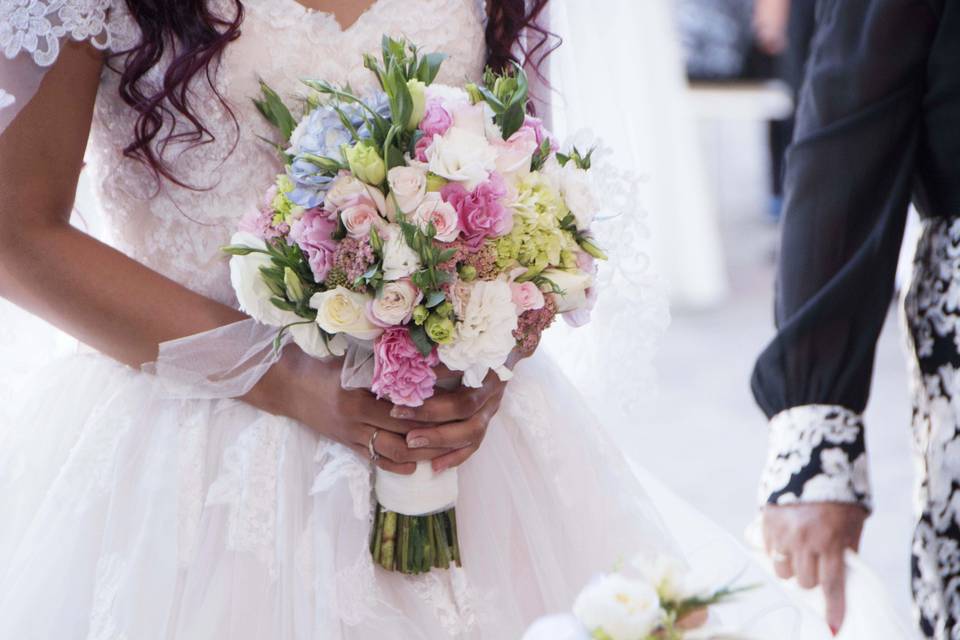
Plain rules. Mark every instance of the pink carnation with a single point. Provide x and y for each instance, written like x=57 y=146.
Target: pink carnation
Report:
x=401 y=373
x=436 y=119
x=313 y=233
x=481 y=212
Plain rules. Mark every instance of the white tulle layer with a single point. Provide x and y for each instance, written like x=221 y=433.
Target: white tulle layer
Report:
x=129 y=516
x=126 y=515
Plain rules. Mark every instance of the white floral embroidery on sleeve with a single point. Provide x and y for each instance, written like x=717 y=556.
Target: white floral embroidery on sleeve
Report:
x=6 y=99
x=816 y=454
x=37 y=26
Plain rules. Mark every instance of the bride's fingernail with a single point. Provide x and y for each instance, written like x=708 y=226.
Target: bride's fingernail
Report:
x=401 y=413
x=834 y=630
x=418 y=443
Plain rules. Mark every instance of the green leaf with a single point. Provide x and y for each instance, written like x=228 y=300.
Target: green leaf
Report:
x=275 y=111
x=430 y=66
x=434 y=299
x=394 y=157
x=512 y=120
x=240 y=250
x=420 y=338
x=282 y=303
x=446 y=254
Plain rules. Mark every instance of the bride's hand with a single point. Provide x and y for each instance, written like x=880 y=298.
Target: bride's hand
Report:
x=809 y=541
x=459 y=420
x=309 y=390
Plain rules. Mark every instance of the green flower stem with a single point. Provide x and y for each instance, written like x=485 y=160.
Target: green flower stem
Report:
x=414 y=544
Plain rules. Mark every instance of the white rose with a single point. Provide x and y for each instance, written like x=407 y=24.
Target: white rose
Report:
x=484 y=333
x=574 y=285
x=462 y=156
x=441 y=214
x=621 y=608
x=399 y=260
x=395 y=303
x=408 y=186
x=576 y=187
x=252 y=291
x=343 y=311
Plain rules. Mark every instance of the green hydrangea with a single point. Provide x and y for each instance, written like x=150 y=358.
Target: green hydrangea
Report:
x=286 y=210
x=537 y=240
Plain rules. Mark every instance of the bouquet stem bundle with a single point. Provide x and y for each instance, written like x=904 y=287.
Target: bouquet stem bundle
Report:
x=415 y=544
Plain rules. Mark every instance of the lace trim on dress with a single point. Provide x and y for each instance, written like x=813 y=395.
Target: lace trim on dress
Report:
x=37 y=26
x=817 y=454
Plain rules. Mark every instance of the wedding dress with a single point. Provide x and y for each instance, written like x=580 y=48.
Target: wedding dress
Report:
x=128 y=515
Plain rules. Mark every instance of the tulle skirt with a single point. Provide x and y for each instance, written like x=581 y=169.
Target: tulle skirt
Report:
x=128 y=515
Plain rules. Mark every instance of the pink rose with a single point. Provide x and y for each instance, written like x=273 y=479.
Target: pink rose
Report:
x=527 y=296
x=420 y=149
x=313 y=233
x=359 y=215
x=515 y=154
x=436 y=120
x=442 y=214
x=401 y=373
x=481 y=212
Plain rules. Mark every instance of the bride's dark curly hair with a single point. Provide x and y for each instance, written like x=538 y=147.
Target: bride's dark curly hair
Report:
x=194 y=37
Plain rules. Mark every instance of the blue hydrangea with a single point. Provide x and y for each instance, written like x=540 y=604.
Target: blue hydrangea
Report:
x=324 y=134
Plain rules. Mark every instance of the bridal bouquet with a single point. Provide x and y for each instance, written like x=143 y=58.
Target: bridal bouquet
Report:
x=421 y=225
x=654 y=598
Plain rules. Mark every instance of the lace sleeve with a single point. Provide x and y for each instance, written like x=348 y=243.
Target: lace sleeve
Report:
x=31 y=35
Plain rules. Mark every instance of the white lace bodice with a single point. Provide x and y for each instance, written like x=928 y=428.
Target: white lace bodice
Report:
x=179 y=231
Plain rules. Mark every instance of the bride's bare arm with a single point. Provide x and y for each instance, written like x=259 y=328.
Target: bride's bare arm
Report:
x=121 y=307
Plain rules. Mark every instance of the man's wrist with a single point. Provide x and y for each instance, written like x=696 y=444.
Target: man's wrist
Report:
x=817 y=453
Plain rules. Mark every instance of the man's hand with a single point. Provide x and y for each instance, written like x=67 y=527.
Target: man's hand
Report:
x=808 y=541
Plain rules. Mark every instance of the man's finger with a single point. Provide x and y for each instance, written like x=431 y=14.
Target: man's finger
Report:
x=783 y=564
x=833 y=578
x=808 y=572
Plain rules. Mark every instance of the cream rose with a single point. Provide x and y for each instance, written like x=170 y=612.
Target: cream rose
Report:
x=408 y=186
x=462 y=155
x=574 y=285
x=441 y=214
x=343 y=311
x=399 y=260
x=395 y=303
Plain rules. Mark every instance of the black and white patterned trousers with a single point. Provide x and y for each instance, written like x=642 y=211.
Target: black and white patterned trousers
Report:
x=932 y=317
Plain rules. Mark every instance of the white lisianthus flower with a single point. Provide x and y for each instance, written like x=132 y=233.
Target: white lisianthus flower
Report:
x=483 y=338
x=576 y=188
x=310 y=340
x=252 y=291
x=574 y=285
x=557 y=627
x=395 y=303
x=343 y=311
x=399 y=260
x=463 y=156
x=444 y=217
x=668 y=575
x=408 y=186
x=620 y=608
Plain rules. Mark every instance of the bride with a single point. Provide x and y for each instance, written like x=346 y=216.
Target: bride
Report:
x=129 y=514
